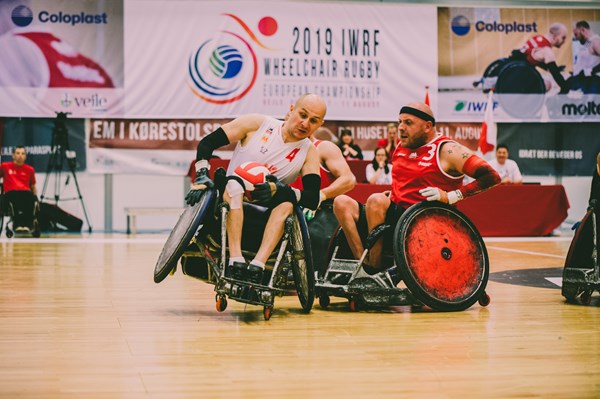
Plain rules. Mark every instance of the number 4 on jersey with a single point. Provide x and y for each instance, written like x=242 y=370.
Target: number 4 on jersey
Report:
x=290 y=157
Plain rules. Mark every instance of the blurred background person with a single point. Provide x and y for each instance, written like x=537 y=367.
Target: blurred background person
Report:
x=350 y=150
x=20 y=189
x=507 y=168
x=379 y=171
x=391 y=140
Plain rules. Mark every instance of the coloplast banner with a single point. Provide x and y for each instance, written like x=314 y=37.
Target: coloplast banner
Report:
x=61 y=56
x=223 y=59
x=543 y=64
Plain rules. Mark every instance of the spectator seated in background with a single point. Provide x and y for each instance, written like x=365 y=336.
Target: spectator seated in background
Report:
x=350 y=150
x=391 y=141
x=507 y=168
x=20 y=189
x=379 y=171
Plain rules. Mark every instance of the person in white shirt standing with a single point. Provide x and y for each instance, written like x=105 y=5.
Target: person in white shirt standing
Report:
x=507 y=168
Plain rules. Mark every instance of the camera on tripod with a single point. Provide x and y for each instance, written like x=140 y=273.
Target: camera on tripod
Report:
x=60 y=151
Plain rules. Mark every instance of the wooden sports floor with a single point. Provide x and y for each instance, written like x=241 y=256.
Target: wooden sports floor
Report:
x=80 y=317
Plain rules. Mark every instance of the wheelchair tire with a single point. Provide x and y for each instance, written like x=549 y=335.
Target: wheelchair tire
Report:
x=302 y=262
x=579 y=256
x=525 y=84
x=581 y=249
x=441 y=256
x=188 y=224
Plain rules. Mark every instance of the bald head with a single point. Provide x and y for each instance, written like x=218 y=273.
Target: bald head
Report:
x=558 y=34
x=421 y=107
x=312 y=102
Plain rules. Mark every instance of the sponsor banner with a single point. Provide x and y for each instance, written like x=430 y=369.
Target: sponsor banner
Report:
x=224 y=59
x=552 y=149
x=47 y=147
x=60 y=55
x=484 y=48
x=169 y=146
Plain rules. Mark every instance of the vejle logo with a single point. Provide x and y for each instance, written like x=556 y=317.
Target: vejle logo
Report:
x=224 y=70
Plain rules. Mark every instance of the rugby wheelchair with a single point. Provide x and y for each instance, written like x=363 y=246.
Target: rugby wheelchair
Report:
x=520 y=86
x=200 y=239
x=436 y=251
x=581 y=273
x=7 y=214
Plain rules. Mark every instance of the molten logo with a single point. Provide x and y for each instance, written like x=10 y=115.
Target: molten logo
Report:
x=224 y=71
x=22 y=16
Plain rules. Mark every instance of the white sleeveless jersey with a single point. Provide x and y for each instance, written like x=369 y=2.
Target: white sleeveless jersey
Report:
x=586 y=61
x=266 y=146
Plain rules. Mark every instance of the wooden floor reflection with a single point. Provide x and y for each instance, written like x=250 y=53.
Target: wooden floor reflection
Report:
x=82 y=318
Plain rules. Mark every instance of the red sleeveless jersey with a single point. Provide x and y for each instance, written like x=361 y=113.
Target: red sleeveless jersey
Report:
x=537 y=41
x=413 y=170
x=67 y=67
x=326 y=177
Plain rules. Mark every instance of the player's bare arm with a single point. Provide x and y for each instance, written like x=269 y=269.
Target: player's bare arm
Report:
x=334 y=161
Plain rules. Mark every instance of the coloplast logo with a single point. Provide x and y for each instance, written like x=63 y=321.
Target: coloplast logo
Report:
x=21 y=16
x=460 y=25
x=224 y=70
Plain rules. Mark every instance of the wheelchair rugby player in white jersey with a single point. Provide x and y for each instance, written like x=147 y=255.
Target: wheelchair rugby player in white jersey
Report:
x=220 y=222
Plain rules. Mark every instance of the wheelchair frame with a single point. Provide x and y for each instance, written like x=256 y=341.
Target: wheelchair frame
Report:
x=291 y=267
x=581 y=277
x=7 y=211
x=346 y=278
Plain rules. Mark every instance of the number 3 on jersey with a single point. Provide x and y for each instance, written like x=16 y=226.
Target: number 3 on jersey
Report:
x=290 y=157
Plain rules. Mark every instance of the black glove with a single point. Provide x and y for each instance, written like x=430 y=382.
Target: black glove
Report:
x=264 y=192
x=194 y=195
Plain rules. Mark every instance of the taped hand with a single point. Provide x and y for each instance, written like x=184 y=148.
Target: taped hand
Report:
x=201 y=183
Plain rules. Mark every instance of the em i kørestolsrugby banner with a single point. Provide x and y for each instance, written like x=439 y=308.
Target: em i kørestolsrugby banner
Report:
x=61 y=56
x=475 y=53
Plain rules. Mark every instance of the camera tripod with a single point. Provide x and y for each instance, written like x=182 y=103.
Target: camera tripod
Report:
x=61 y=151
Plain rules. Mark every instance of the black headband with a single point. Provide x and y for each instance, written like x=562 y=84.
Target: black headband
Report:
x=419 y=114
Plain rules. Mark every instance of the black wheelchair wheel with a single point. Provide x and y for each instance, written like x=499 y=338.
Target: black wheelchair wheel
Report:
x=521 y=89
x=441 y=256
x=188 y=224
x=302 y=262
x=579 y=256
x=581 y=249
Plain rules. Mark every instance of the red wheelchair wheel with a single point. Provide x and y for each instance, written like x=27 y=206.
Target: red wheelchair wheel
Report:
x=441 y=256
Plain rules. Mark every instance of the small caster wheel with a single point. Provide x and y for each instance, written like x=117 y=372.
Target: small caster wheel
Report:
x=353 y=305
x=484 y=299
x=221 y=303
x=569 y=291
x=586 y=297
x=267 y=311
x=324 y=301
x=9 y=233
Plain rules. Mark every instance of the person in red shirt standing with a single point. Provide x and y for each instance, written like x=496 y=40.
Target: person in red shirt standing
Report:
x=425 y=166
x=20 y=188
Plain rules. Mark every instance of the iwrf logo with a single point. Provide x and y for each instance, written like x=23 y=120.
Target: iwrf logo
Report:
x=224 y=70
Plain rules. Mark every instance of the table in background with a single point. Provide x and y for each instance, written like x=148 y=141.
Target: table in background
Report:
x=517 y=210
